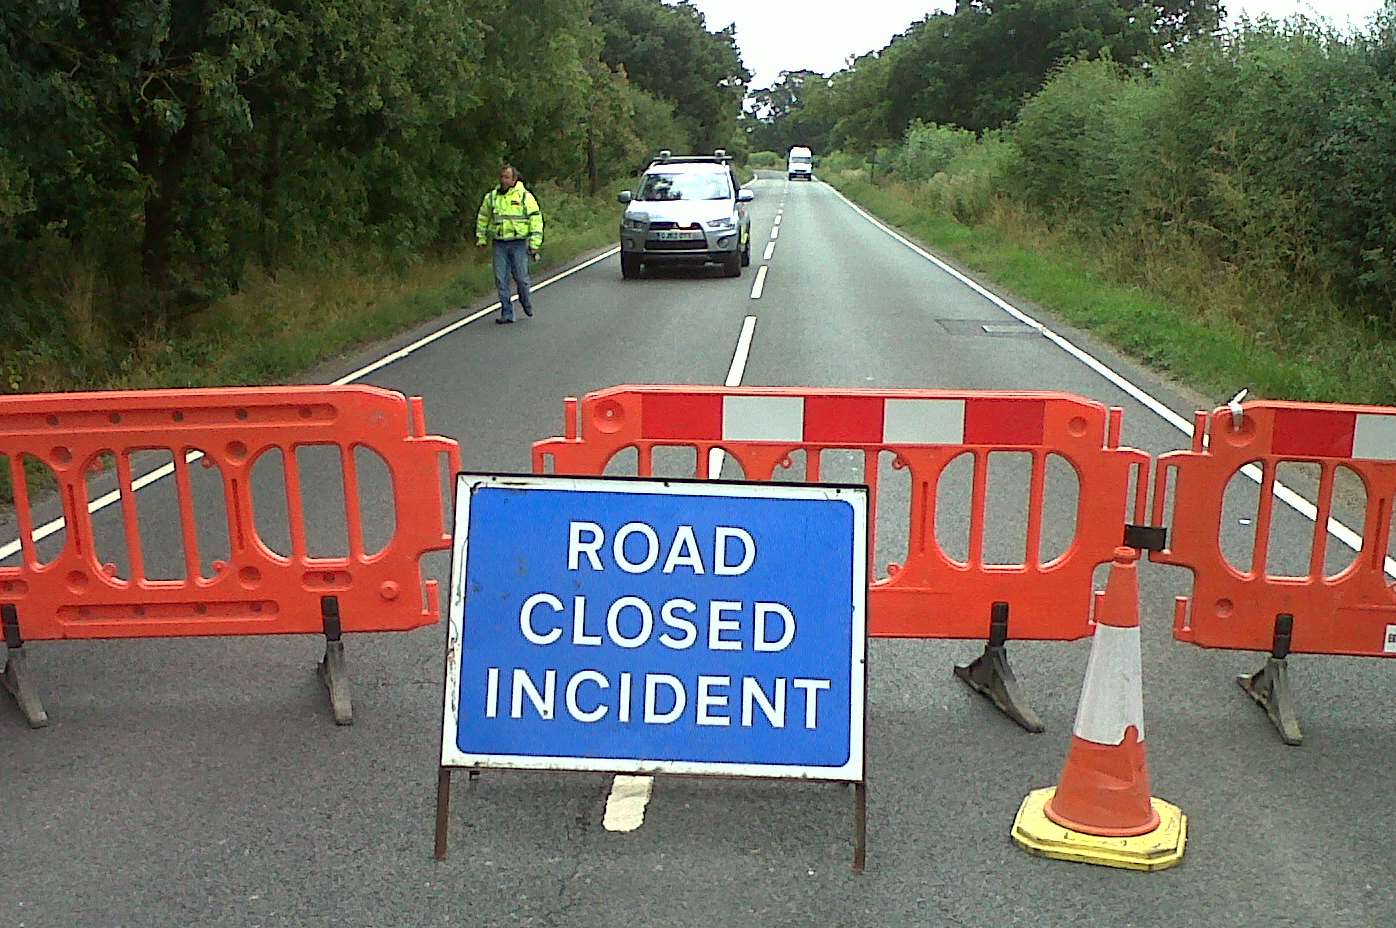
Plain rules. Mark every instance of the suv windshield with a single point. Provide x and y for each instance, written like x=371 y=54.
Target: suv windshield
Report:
x=685 y=186
x=799 y=159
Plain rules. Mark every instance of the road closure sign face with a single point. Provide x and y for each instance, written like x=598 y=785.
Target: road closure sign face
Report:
x=690 y=627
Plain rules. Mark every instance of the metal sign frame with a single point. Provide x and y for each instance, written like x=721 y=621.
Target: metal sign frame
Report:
x=854 y=772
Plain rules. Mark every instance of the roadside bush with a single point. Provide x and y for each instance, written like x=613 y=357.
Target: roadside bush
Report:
x=928 y=149
x=975 y=178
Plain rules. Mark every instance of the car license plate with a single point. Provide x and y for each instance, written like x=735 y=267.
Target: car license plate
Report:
x=678 y=235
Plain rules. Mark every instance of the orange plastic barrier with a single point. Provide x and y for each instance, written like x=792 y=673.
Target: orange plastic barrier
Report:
x=931 y=595
x=257 y=590
x=1345 y=610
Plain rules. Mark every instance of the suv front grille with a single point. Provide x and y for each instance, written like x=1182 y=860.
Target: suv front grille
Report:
x=693 y=244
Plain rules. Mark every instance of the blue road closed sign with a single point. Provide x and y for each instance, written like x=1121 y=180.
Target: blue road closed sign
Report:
x=657 y=626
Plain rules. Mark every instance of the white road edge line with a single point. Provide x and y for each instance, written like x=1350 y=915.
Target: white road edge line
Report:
x=759 y=285
x=625 y=806
x=1283 y=493
x=9 y=549
x=770 y=250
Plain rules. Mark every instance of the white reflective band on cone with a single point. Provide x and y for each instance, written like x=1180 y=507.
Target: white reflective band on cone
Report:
x=1113 y=697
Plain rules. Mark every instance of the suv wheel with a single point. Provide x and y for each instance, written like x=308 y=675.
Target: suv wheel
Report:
x=732 y=264
x=629 y=266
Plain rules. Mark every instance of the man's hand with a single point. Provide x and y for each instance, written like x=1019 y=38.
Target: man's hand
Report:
x=533 y=253
x=479 y=243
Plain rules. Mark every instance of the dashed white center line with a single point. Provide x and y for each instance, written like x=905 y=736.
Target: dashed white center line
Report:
x=770 y=250
x=777 y=222
x=742 y=352
x=760 y=284
x=775 y=233
x=630 y=795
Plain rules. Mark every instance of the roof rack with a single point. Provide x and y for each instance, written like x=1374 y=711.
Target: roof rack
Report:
x=694 y=159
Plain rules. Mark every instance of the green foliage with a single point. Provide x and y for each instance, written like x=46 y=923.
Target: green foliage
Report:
x=668 y=51
x=970 y=68
x=155 y=155
x=929 y=149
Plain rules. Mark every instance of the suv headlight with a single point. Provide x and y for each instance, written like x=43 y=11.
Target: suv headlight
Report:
x=722 y=225
x=633 y=224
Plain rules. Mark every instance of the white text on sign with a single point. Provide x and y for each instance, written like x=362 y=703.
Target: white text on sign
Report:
x=677 y=624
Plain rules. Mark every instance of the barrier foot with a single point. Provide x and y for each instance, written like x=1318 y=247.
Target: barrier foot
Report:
x=332 y=669
x=1269 y=686
x=991 y=675
x=15 y=678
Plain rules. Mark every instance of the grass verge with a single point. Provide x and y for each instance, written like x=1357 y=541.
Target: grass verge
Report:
x=1206 y=324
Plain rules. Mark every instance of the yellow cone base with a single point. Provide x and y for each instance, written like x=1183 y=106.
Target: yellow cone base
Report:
x=1158 y=850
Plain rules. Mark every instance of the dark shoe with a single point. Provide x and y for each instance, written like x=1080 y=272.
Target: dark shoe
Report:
x=500 y=320
x=528 y=311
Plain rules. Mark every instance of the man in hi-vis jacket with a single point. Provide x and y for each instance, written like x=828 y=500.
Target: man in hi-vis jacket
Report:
x=510 y=218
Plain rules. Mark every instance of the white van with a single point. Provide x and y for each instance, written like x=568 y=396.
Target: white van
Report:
x=800 y=164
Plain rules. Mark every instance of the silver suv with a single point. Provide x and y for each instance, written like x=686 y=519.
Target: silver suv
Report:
x=688 y=210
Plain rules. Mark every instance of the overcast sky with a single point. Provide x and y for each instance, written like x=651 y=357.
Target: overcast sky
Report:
x=785 y=35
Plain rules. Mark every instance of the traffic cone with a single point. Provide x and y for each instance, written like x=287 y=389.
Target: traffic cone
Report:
x=1101 y=811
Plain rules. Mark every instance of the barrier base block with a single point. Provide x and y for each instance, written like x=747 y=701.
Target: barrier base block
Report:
x=336 y=679
x=20 y=685
x=991 y=676
x=1158 y=850
x=1269 y=687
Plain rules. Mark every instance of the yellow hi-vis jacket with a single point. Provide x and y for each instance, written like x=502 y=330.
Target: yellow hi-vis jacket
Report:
x=509 y=216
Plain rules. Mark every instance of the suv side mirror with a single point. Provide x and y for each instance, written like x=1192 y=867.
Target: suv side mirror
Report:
x=625 y=196
x=746 y=195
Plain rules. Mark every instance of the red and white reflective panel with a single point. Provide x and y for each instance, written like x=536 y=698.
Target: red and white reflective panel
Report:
x=1326 y=433
x=846 y=419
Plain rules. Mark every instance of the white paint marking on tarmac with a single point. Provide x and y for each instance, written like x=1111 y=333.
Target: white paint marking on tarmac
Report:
x=770 y=250
x=1283 y=493
x=11 y=548
x=778 y=215
x=760 y=285
x=775 y=233
x=625 y=807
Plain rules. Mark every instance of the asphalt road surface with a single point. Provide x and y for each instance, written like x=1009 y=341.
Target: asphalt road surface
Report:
x=203 y=783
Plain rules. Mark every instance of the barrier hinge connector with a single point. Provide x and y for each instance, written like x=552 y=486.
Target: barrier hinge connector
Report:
x=1146 y=537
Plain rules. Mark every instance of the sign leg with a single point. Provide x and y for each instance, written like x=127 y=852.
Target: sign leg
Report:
x=443 y=811
x=860 y=826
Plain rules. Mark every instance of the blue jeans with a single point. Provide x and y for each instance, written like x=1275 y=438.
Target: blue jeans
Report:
x=511 y=257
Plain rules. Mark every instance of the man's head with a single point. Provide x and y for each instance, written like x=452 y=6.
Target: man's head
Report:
x=507 y=177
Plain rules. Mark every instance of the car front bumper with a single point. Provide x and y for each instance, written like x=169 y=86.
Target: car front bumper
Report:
x=712 y=247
